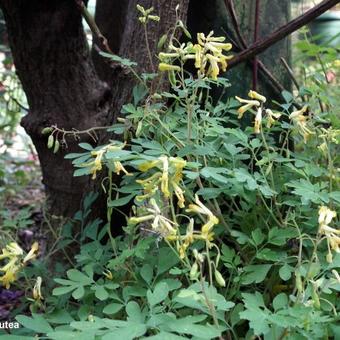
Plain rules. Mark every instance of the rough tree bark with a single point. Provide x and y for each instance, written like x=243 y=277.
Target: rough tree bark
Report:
x=130 y=37
x=53 y=62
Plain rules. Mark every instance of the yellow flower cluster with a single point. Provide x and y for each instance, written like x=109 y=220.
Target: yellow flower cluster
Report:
x=256 y=101
x=168 y=178
x=16 y=261
x=160 y=224
x=96 y=164
x=326 y=216
x=168 y=229
x=206 y=233
x=146 y=15
x=300 y=120
x=207 y=55
x=329 y=135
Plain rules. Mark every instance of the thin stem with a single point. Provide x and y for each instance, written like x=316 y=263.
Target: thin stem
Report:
x=148 y=48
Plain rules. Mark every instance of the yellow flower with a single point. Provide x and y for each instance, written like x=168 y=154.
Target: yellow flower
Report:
x=108 y=274
x=179 y=194
x=140 y=219
x=207 y=227
x=96 y=164
x=165 y=176
x=11 y=249
x=257 y=96
x=146 y=14
x=171 y=172
x=271 y=117
x=326 y=215
x=144 y=167
x=32 y=253
x=296 y=115
x=10 y=276
x=160 y=224
x=37 y=289
x=119 y=167
x=301 y=122
x=336 y=63
x=214 y=70
x=14 y=254
x=168 y=67
x=249 y=104
x=258 y=121
x=200 y=208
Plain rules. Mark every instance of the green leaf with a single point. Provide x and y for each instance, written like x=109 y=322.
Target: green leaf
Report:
x=335 y=195
x=134 y=312
x=187 y=326
x=62 y=290
x=166 y=260
x=165 y=335
x=159 y=294
x=78 y=293
x=116 y=58
x=130 y=332
x=256 y=313
x=215 y=174
x=147 y=273
x=101 y=293
x=112 y=308
x=81 y=172
x=243 y=176
x=86 y=146
x=121 y=201
x=280 y=301
x=271 y=255
x=255 y=273
x=78 y=276
x=279 y=237
x=257 y=236
x=285 y=272
x=309 y=192
x=37 y=323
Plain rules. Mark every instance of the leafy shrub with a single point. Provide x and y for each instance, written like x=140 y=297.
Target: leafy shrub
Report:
x=232 y=231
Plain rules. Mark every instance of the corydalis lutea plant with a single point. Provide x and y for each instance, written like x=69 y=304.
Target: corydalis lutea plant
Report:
x=235 y=208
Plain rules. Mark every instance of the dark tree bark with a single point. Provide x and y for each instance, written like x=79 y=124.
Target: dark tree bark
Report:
x=125 y=35
x=110 y=18
x=53 y=62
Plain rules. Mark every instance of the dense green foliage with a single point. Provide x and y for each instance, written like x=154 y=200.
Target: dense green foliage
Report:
x=232 y=232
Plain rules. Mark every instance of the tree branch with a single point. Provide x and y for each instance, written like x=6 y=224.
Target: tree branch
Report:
x=231 y=9
x=261 y=45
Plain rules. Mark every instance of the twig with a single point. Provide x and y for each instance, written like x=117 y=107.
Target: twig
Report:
x=260 y=46
x=290 y=72
x=231 y=9
x=93 y=26
x=19 y=104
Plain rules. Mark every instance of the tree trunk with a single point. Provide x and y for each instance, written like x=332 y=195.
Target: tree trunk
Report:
x=126 y=37
x=53 y=62
x=110 y=18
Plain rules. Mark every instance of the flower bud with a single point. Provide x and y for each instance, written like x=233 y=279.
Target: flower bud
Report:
x=56 y=146
x=219 y=278
x=194 y=271
x=46 y=130
x=50 y=141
